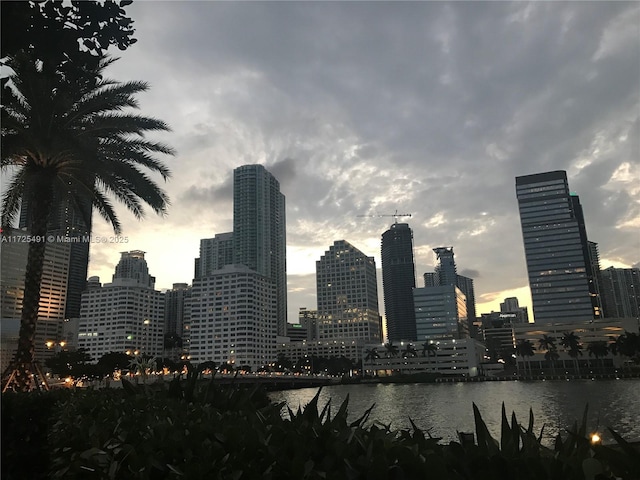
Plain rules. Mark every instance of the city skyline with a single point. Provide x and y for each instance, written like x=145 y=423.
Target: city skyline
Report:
x=426 y=108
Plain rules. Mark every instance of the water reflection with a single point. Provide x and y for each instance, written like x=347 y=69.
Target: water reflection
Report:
x=443 y=409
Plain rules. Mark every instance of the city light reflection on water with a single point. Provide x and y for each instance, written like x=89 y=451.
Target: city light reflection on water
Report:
x=443 y=409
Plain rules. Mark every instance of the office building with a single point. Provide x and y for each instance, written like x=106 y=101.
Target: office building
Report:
x=347 y=294
x=126 y=315
x=259 y=230
x=441 y=313
x=66 y=222
x=446 y=274
x=49 y=336
x=559 y=258
x=398 y=282
x=233 y=318
x=621 y=292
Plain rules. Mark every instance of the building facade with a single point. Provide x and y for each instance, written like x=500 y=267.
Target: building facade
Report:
x=621 y=292
x=453 y=357
x=398 y=282
x=53 y=296
x=347 y=294
x=175 y=301
x=233 y=318
x=259 y=230
x=215 y=253
x=68 y=225
x=557 y=252
x=126 y=315
x=441 y=313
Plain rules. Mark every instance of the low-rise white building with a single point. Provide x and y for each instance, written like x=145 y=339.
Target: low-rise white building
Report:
x=459 y=357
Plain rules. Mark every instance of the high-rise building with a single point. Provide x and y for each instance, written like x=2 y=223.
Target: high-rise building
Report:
x=510 y=309
x=259 y=230
x=347 y=294
x=441 y=313
x=233 y=318
x=446 y=274
x=446 y=269
x=398 y=282
x=174 y=308
x=621 y=292
x=49 y=336
x=126 y=315
x=309 y=320
x=215 y=253
x=65 y=221
x=559 y=257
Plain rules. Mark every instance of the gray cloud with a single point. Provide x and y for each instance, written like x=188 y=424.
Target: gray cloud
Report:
x=428 y=108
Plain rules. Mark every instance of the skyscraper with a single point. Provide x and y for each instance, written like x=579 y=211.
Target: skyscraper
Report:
x=259 y=230
x=67 y=221
x=215 y=253
x=446 y=273
x=398 y=282
x=53 y=296
x=621 y=292
x=441 y=313
x=446 y=269
x=347 y=294
x=560 y=270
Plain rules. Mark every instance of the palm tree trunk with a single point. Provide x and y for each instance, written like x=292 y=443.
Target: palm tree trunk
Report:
x=22 y=368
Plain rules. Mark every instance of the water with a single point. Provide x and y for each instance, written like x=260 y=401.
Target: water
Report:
x=443 y=409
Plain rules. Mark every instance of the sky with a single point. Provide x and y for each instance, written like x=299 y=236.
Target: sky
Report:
x=370 y=108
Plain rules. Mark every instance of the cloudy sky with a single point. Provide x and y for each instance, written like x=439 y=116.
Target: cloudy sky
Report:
x=366 y=108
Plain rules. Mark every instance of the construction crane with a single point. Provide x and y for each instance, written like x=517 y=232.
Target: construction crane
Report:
x=394 y=215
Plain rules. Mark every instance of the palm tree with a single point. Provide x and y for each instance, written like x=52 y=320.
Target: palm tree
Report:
x=71 y=142
x=598 y=349
x=392 y=350
x=524 y=348
x=548 y=343
x=429 y=349
x=371 y=354
x=410 y=351
x=627 y=344
x=571 y=343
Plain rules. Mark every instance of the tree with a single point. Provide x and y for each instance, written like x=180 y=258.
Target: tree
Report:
x=172 y=342
x=71 y=141
x=371 y=354
x=598 y=349
x=429 y=349
x=392 y=350
x=144 y=365
x=283 y=362
x=69 y=363
x=571 y=343
x=627 y=345
x=68 y=38
x=548 y=343
x=112 y=361
x=524 y=348
x=410 y=351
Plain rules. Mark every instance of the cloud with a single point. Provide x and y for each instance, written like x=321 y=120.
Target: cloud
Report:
x=363 y=108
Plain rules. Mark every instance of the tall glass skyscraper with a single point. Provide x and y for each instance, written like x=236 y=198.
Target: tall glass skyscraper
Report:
x=398 y=282
x=259 y=230
x=561 y=273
